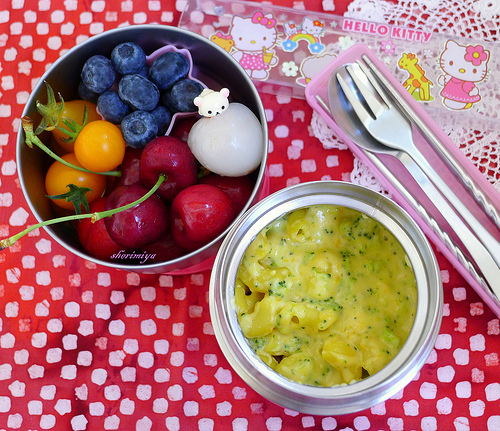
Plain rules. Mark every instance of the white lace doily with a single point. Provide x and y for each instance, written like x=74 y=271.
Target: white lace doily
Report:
x=478 y=19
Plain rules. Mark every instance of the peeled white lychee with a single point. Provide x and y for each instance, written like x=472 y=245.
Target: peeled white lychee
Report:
x=230 y=144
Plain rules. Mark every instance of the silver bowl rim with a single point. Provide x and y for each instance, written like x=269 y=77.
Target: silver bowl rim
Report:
x=340 y=399
x=179 y=264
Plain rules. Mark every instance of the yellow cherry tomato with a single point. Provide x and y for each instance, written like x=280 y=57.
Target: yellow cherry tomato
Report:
x=74 y=110
x=100 y=146
x=59 y=176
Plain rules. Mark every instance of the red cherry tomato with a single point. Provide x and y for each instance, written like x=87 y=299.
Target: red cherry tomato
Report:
x=100 y=146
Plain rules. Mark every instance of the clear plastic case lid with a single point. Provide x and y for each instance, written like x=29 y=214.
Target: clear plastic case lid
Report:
x=282 y=49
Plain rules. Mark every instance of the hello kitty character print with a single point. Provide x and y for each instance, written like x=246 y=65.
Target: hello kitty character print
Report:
x=254 y=37
x=464 y=66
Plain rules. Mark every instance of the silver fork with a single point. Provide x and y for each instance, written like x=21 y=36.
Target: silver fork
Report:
x=483 y=199
x=393 y=134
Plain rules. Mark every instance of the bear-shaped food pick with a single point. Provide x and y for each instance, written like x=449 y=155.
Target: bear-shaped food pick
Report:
x=211 y=103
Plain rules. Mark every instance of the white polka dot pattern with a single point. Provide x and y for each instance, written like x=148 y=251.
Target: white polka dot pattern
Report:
x=87 y=348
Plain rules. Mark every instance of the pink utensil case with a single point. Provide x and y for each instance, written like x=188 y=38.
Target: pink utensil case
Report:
x=317 y=88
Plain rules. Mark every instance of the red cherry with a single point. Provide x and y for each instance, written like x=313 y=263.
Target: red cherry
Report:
x=94 y=237
x=130 y=167
x=172 y=157
x=182 y=126
x=239 y=189
x=164 y=249
x=139 y=226
x=199 y=214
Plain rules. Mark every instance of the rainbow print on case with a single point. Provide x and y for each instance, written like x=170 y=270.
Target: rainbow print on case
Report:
x=302 y=45
x=309 y=31
x=252 y=41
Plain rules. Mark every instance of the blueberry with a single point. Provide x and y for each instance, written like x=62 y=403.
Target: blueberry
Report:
x=163 y=118
x=144 y=71
x=111 y=107
x=168 y=68
x=138 y=128
x=180 y=97
x=128 y=57
x=138 y=92
x=98 y=74
x=86 y=94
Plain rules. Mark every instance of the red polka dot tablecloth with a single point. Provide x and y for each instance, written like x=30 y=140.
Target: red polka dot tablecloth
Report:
x=85 y=347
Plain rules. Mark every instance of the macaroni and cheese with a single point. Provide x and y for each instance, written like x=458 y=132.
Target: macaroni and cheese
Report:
x=325 y=295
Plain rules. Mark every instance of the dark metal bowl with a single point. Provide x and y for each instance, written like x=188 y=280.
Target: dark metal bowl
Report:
x=211 y=65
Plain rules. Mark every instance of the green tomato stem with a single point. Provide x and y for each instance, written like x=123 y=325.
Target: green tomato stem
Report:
x=31 y=139
x=50 y=112
x=8 y=242
x=73 y=128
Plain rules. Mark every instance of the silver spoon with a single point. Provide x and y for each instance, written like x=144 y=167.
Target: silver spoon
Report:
x=344 y=115
x=429 y=134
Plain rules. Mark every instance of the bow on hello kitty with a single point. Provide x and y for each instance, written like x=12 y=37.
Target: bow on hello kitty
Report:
x=259 y=18
x=224 y=36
